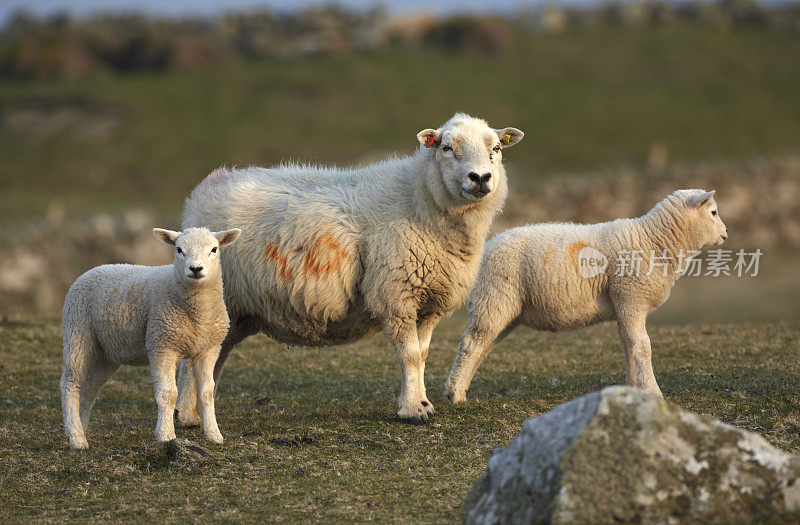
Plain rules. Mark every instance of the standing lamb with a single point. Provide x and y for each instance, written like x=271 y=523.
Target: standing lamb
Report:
x=330 y=256
x=565 y=276
x=120 y=314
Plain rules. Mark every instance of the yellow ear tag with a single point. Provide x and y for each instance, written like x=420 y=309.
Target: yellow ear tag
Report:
x=506 y=138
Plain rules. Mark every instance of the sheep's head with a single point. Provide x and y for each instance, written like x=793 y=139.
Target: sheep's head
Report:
x=196 y=251
x=469 y=155
x=704 y=222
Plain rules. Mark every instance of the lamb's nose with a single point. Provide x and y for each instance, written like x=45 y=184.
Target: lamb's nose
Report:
x=474 y=177
x=196 y=269
x=485 y=178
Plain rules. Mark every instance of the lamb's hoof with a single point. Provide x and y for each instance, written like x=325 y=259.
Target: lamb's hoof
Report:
x=78 y=443
x=427 y=407
x=187 y=418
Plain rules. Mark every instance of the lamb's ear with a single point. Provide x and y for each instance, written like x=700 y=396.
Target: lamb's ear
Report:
x=700 y=199
x=430 y=138
x=509 y=136
x=228 y=236
x=168 y=236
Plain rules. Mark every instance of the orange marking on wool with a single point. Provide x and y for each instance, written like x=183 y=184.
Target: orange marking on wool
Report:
x=324 y=256
x=275 y=254
x=335 y=255
x=573 y=252
x=547 y=255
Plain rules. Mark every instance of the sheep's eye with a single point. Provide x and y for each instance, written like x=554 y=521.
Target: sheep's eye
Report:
x=446 y=148
x=214 y=249
x=713 y=212
x=496 y=149
x=179 y=250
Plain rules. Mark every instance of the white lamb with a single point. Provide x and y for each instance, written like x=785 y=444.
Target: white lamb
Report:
x=330 y=256
x=121 y=314
x=564 y=276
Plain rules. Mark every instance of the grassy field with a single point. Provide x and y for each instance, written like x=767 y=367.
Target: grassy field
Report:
x=586 y=100
x=310 y=433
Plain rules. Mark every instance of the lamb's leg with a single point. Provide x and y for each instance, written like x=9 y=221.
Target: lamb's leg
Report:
x=163 y=363
x=99 y=372
x=188 y=400
x=186 y=406
x=425 y=331
x=402 y=332
x=638 y=355
x=203 y=368
x=482 y=334
x=79 y=352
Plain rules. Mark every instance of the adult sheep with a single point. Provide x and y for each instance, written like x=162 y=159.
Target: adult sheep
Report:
x=329 y=256
x=565 y=276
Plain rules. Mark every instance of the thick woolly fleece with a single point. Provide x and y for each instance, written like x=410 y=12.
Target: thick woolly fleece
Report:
x=120 y=314
x=533 y=275
x=331 y=256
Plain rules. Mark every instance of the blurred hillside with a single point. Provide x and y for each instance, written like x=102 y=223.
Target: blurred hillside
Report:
x=107 y=123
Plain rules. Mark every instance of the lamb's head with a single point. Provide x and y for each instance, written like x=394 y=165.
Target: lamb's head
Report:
x=197 y=252
x=701 y=217
x=468 y=155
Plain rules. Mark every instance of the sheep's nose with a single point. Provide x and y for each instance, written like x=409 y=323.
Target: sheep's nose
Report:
x=196 y=270
x=479 y=179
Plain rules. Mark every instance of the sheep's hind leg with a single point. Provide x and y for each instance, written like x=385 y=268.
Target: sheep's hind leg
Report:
x=203 y=367
x=425 y=329
x=162 y=367
x=476 y=343
x=99 y=372
x=186 y=406
x=188 y=393
x=402 y=332
x=79 y=351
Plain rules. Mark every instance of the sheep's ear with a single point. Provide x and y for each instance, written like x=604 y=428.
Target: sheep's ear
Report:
x=168 y=236
x=228 y=236
x=509 y=136
x=701 y=199
x=430 y=138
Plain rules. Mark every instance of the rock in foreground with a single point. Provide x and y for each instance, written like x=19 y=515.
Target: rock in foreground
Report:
x=625 y=455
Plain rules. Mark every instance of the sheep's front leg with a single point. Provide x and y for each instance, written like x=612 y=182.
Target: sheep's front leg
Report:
x=163 y=363
x=402 y=332
x=203 y=368
x=638 y=355
x=425 y=329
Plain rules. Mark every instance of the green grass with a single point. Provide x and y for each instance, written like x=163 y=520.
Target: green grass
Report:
x=310 y=433
x=586 y=99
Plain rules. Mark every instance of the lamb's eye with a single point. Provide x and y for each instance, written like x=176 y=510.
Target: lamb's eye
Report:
x=713 y=212
x=446 y=148
x=214 y=249
x=179 y=250
x=496 y=149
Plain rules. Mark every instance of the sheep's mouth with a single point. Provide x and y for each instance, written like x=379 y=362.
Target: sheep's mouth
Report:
x=475 y=194
x=195 y=276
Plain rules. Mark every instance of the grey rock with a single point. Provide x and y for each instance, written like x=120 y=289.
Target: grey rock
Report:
x=625 y=455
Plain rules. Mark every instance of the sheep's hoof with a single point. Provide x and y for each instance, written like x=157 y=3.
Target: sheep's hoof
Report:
x=420 y=418
x=457 y=397
x=78 y=443
x=215 y=437
x=427 y=407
